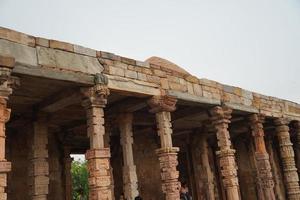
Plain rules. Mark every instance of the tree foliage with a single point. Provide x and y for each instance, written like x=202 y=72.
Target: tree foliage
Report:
x=80 y=180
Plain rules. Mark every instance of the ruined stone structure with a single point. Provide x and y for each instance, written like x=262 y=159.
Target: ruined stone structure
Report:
x=144 y=128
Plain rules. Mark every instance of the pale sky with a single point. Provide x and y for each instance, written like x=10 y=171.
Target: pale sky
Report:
x=253 y=44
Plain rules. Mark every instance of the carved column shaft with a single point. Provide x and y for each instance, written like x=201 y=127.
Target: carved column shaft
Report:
x=264 y=173
x=167 y=154
x=297 y=128
x=129 y=169
x=209 y=176
x=220 y=119
x=291 y=178
x=7 y=83
x=98 y=156
x=39 y=165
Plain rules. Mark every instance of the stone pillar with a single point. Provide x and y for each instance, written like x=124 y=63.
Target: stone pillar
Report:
x=68 y=176
x=209 y=175
x=39 y=166
x=297 y=128
x=220 y=119
x=6 y=83
x=98 y=156
x=264 y=173
x=291 y=178
x=167 y=154
x=129 y=169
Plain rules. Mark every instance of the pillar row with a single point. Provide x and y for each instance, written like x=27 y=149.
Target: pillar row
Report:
x=7 y=82
x=129 y=169
x=264 y=173
x=291 y=178
x=226 y=155
x=167 y=154
x=98 y=156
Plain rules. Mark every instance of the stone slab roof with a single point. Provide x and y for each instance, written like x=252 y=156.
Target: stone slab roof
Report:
x=48 y=58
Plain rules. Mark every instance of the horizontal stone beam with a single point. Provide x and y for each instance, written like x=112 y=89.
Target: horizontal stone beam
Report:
x=50 y=73
x=193 y=98
x=243 y=108
x=130 y=86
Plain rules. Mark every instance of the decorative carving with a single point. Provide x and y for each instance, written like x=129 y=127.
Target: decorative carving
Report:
x=7 y=84
x=220 y=119
x=95 y=96
x=291 y=177
x=99 y=174
x=167 y=155
x=162 y=103
x=39 y=167
x=100 y=180
x=169 y=174
x=297 y=149
x=264 y=174
x=129 y=169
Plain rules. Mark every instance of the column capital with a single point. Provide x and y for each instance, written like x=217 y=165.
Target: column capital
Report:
x=95 y=96
x=7 y=82
x=220 y=114
x=257 y=118
x=162 y=103
x=256 y=124
x=282 y=121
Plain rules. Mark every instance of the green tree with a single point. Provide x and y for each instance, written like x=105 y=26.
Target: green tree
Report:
x=80 y=180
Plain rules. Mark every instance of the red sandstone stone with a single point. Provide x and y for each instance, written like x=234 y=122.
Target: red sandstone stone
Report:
x=18 y=37
x=6 y=61
x=61 y=45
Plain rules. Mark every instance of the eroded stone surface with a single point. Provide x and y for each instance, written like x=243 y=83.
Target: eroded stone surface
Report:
x=68 y=61
x=22 y=54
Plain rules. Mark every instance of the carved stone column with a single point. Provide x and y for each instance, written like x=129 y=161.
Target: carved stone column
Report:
x=129 y=169
x=297 y=128
x=68 y=176
x=98 y=156
x=39 y=165
x=167 y=154
x=220 y=119
x=264 y=173
x=291 y=178
x=209 y=176
x=6 y=84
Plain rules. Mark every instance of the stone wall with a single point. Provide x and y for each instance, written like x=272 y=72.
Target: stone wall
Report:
x=136 y=76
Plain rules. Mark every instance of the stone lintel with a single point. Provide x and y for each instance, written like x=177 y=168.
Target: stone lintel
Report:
x=50 y=73
x=193 y=98
x=243 y=108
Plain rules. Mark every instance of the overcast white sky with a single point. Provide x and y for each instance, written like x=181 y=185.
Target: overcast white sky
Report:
x=253 y=44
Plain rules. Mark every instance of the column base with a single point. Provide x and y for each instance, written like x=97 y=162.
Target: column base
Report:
x=5 y=167
x=99 y=174
x=169 y=174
